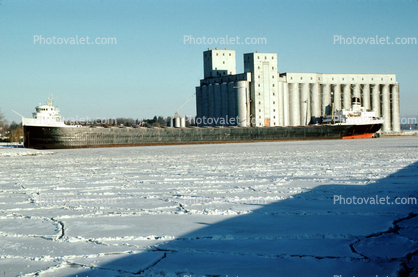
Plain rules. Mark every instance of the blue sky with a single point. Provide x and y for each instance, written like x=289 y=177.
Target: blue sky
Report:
x=151 y=71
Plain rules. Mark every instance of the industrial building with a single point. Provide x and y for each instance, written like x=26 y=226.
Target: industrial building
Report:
x=262 y=96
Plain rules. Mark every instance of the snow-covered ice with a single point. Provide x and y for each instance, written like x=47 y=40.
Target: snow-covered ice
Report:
x=9 y=152
x=249 y=209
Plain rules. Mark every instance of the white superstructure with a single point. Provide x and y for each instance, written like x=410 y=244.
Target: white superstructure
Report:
x=357 y=115
x=45 y=115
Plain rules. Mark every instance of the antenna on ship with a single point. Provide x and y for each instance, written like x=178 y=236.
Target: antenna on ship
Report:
x=50 y=99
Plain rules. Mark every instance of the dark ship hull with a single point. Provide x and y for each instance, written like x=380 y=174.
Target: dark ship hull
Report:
x=39 y=137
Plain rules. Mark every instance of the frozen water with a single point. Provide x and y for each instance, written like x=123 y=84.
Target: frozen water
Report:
x=249 y=209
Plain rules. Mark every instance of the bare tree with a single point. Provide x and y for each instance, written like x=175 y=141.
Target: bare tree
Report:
x=3 y=126
x=3 y=121
x=16 y=135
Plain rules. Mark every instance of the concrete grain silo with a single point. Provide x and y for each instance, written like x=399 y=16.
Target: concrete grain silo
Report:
x=263 y=97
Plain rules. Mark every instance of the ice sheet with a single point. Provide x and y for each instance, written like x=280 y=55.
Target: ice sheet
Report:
x=249 y=209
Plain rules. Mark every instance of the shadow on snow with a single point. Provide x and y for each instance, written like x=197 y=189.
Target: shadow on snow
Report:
x=308 y=234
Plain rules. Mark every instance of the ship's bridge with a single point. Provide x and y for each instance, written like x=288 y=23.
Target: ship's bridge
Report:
x=46 y=111
x=43 y=108
x=45 y=115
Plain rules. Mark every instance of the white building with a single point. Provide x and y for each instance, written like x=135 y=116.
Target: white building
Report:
x=261 y=96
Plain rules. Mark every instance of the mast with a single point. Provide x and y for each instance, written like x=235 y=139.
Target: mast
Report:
x=49 y=103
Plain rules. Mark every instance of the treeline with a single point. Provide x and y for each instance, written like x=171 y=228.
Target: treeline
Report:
x=156 y=121
x=12 y=132
x=162 y=122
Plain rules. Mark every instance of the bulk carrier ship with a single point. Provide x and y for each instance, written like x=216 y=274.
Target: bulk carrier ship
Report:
x=260 y=104
x=47 y=130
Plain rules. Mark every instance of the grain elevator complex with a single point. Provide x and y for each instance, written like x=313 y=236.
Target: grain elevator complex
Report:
x=261 y=96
